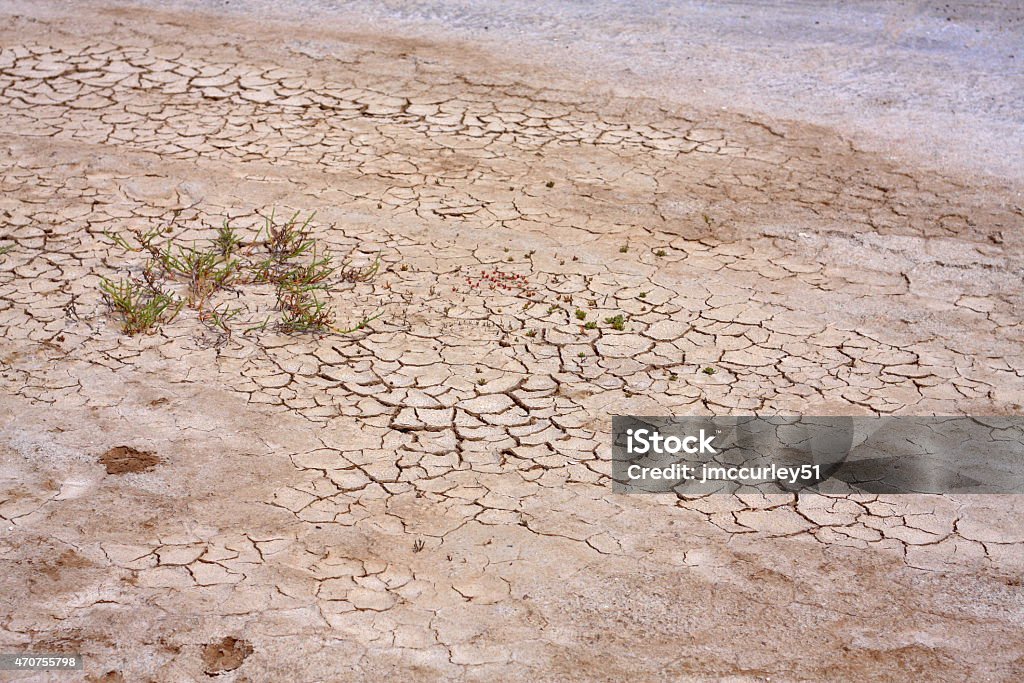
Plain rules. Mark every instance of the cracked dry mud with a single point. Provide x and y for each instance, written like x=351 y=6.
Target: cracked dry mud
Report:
x=429 y=497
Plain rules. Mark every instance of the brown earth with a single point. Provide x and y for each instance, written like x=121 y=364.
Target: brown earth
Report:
x=429 y=497
x=225 y=655
x=125 y=459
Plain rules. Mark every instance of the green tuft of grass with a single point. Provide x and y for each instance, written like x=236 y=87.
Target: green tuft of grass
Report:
x=220 y=316
x=618 y=322
x=205 y=272
x=142 y=307
x=581 y=314
x=302 y=311
x=709 y=370
x=289 y=240
x=592 y=325
x=227 y=241
x=314 y=274
x=284 y=254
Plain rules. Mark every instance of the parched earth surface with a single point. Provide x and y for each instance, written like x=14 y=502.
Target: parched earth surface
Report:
x=428 y=497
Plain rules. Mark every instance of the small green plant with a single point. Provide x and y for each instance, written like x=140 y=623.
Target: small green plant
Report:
x=285 y=244
x=118 y=240
x=146 y=240
x=582 y=354
x=299 y=267
x=618 y=322
x=643 y=295
x=349 y=273
x=287 y=257
x=672 y=376
x=531 y=333
x=624 y=248
x=311 y=275
x=550 y=183
x=290 y=239
x=227 y=241
x=6 y=249
x=142 y=307
x=206 y=272
x=218 y=318
x=709 y=370
x=552 y=308
x=581 y=314
x=358 y=326
x=661 y=252
x=302 y=311
x=592 y=325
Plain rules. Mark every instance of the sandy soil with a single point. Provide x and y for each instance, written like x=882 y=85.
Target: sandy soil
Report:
x=937 y=83
x=428 y=498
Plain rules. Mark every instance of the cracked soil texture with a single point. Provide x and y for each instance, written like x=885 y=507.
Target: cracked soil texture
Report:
x=428 y=497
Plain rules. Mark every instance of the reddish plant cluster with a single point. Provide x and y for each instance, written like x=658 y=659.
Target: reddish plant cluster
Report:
x=500 y=280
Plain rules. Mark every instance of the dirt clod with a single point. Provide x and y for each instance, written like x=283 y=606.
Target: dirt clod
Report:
x=225 y=655
x=125 y=459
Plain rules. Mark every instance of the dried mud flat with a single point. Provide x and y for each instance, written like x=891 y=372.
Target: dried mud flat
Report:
x=428 y=497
